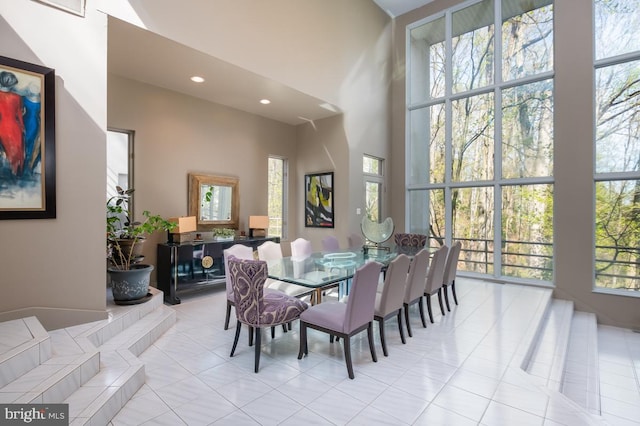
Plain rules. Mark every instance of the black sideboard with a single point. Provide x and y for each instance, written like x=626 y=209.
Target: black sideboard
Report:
x=195 y=265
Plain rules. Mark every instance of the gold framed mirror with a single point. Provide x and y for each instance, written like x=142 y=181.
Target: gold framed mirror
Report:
x=214 y=201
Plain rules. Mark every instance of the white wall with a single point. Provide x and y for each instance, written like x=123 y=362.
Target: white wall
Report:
x=318 y=47
x=178 y=134
x=331 y=49
x=55 y=268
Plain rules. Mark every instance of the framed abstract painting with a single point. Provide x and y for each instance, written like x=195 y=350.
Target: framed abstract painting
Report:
x=27 y=141
x=318 y=204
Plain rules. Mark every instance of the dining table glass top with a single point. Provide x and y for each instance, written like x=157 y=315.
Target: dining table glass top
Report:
x=322 y=269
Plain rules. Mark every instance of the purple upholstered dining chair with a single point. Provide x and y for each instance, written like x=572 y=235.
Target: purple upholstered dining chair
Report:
x=255 y=307
x=450 y=271
x=241 y=252
x=389 y=300
x=435 y=277
x=330 y=244
x=415 y=286
x=355 y=241
x=346 y=319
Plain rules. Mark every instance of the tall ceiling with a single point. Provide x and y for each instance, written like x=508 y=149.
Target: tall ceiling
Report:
x=395 y=8
x=141 y=55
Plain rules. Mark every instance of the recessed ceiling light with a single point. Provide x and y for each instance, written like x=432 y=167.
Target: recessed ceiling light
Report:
x=197 y=79
x=265 y=101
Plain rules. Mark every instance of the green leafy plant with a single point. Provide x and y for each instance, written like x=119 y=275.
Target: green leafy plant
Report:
x=124 y=236
x=223 y=232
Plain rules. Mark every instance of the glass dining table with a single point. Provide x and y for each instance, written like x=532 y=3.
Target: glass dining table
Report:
x=321 y=271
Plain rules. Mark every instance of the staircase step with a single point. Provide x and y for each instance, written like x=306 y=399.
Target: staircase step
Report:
x=25 y=345
x=581 y=381
x=93 y=367
x=550 y=349
x=51 y=382
x=121 y=372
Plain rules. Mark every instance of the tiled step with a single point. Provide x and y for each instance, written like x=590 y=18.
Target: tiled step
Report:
x=564 y=337
x=527 y=346
x=25 y=344
x=581 y=381
x=43 y=368
x=92 y=367
x=549 y=352
x=52 y=381
x=121 y=373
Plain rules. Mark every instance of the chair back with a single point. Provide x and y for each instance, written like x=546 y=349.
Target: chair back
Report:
x=355 y=241
x=417 y=276
x=393 y=288
x=269 y=250
x=247 y=282
x=451 y=268
x=241 y=252
x=362 y=297
x=330 y=244
x=436 y=270
x=410 y=240
x=301 y=248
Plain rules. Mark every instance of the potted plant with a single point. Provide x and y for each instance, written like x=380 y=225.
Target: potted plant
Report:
x=129 y=278
x=223 y=234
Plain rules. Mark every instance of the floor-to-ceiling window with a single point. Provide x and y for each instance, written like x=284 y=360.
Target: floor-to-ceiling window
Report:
x=617 y=144
x=277 y=196
x=480 y=128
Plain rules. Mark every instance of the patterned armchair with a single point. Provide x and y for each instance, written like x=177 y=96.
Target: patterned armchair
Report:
x=255 y=307
x=410 y=240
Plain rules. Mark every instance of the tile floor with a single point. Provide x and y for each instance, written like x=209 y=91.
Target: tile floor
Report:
x=462 y=370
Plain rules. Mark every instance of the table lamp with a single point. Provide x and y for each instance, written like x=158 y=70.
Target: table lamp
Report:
x=258 y=226
x=185 y=231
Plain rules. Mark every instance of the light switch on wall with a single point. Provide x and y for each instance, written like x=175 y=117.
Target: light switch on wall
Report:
x=358 y=210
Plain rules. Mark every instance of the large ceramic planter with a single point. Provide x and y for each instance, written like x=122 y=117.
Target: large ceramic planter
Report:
x=130 y=286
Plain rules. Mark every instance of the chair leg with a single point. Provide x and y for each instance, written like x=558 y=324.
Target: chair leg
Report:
x=289 y=326
x=446 y=296
x=273 y=332
x=226 y=319
x=400 y=328
x=406 y=318
x=331 y=338
x=382 y=340
x=428 y=296
x=303 y=340
x=440 y=300
x=421 y=308
x=453 y=291
x=372 y=348
x=347 y=356
x=250 y=336
x=258 y=348
x=235 y=341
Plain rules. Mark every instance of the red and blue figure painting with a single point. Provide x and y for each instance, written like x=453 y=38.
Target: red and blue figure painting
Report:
x=21 y=137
